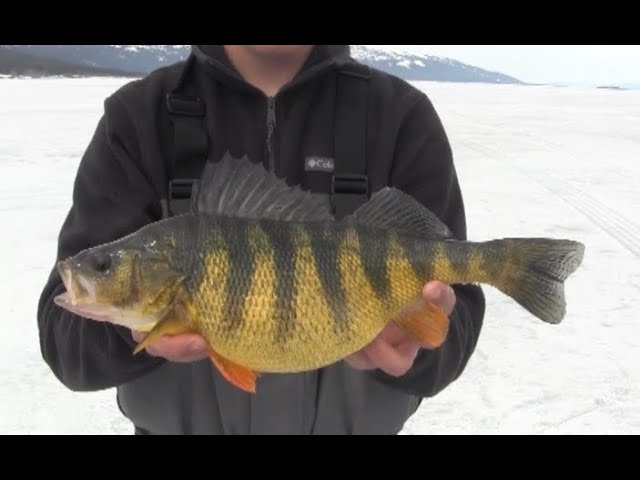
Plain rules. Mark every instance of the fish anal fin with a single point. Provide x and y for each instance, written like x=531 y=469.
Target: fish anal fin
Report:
x=427 y=322
x=242 y=377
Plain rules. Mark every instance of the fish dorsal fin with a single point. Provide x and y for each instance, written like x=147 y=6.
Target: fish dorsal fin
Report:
x=392 y=209
x=237 y=187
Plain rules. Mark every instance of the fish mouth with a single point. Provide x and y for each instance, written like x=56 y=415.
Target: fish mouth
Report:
x=80 y=295
x=76 y=289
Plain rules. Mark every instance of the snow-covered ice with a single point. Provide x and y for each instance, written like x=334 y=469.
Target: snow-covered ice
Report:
x=532 y=161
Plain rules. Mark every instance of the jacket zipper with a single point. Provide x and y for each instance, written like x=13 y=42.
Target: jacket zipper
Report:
x=271 y=126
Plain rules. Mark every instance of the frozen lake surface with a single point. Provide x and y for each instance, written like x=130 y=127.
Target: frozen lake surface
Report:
x=532 y=161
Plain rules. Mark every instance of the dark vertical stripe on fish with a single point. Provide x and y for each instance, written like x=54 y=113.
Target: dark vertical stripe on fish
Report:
x=373 y=252
x=242 y=266
x=194 y=230
x=326 y=264
x=459 y=255
x=283 y=249
x=418 y=254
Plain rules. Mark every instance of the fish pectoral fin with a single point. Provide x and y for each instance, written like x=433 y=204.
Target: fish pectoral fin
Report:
x=174 y=322
x=242 y=377
x=427 y=322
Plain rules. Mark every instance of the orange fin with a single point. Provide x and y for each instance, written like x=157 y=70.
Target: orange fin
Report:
x=175 y=322
x=242 y=377
x=427 y=322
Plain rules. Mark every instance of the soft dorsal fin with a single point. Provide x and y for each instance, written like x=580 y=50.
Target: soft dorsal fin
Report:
x=393 y=209
x=237 y=187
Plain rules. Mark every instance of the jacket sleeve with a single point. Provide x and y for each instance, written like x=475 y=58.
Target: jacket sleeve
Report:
x=111 y=198
x=423 y=167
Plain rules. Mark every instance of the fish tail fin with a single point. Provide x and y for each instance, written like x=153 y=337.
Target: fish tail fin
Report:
x=534 y=272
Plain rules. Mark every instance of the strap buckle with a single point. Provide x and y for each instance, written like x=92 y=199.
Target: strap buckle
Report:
x=348 y=192
x=185 y=105
x=182 y=194
x=350 y=184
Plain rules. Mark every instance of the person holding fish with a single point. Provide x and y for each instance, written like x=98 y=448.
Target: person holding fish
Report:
x=270 y=239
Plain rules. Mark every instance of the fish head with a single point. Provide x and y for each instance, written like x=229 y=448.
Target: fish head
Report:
x=131 y=282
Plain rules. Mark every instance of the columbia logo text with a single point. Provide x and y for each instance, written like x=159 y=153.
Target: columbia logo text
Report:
x=319 y=164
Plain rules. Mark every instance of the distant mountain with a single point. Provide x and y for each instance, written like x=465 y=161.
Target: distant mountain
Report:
x=427 y=67
x=134 y=59
x=611 y=87
x=18 y=63
x=631 y=85
x=141 y=59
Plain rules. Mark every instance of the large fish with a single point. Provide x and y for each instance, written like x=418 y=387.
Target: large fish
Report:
x=263 y=272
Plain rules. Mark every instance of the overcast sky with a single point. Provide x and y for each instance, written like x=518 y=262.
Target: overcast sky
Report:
x=571 y=64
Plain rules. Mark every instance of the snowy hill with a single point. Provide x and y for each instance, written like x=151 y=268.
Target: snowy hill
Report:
x=427 y=67
x=134 y=59
x=17 y=63
x=141 y=59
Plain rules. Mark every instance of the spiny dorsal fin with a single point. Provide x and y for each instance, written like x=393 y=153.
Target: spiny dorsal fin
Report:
x=236 y=187
x=393 y=209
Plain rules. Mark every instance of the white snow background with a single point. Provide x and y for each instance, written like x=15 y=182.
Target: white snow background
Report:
x=532 y=161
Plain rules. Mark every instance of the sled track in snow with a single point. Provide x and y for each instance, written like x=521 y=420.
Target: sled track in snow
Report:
x=614 y=224
x=611 y=222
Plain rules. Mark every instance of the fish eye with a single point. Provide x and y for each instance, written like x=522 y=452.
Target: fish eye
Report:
x=100 y=262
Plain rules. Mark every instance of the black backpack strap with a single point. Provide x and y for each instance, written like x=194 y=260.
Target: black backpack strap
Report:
x=350 y=183
x=190 y=143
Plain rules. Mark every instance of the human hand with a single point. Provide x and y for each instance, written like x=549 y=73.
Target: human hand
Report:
x=182 y=348
x=394 y=350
